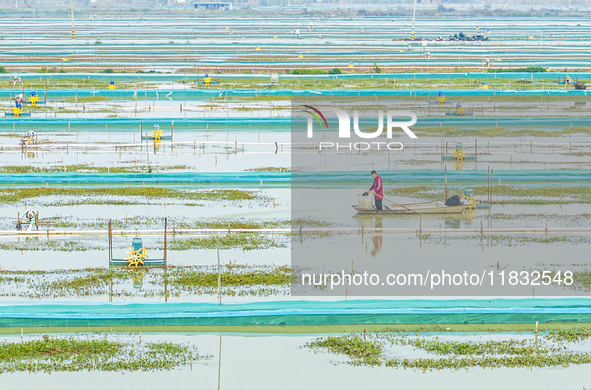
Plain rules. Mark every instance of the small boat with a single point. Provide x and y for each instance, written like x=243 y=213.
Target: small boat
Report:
x=415 y=208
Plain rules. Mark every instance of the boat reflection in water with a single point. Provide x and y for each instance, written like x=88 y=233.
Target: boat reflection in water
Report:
x=377 y=238
x=408 y=224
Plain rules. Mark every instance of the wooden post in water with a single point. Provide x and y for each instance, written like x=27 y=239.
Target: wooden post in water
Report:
x=445 y=183
x=165 y=241
x=110 y=240
x=491 y=184
x=488 y=184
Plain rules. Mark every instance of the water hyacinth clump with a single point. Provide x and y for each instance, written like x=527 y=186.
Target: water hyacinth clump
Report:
x=57 y=354
x=553 y=349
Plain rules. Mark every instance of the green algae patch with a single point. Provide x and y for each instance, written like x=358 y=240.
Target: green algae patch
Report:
x=55 y=354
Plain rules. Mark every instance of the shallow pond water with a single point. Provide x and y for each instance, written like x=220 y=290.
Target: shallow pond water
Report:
x=238 y=367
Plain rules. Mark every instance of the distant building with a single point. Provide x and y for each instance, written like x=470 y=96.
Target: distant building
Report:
x=211 y=5
x=245 y=3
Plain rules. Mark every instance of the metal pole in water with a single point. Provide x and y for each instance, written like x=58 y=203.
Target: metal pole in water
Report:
x=445 y=183
x=73 y=33
x=414 y=11
x=220 y=364
x=219 y=273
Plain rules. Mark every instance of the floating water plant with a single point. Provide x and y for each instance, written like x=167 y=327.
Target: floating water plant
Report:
x=551 y=350
x=56 y=354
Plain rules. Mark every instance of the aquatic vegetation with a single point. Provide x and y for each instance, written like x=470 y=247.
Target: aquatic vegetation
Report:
x=497 y=132
x=53 y=245
x=569 y=335
x=85 y=168
x=56 y=354
x=246 y=241
x=12 y=195
x=269 y=169
x=551 y=350
x=529 y=69
x=189 y=280
x=237 y=279
x=174 y=222
x=507 y=194
x=507 y=240
x=361 y=352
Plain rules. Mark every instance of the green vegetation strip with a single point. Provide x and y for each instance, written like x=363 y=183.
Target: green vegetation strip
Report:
x=548 y=350
x=13 y=195
x=498 y=132
x=54 y=354
x=84 y=168
x=174 y=222
x=236 y=280
x=510 y=194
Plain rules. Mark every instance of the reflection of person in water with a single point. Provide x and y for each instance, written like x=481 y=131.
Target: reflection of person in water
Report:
x=377 y=239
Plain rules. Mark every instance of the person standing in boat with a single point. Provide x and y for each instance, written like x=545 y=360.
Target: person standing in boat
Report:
x=378 y=189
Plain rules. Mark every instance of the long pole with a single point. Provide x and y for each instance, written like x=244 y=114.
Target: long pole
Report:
x=391 y=201
x=148 y=153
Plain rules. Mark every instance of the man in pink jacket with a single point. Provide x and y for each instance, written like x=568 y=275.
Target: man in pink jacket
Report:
x=378 y=189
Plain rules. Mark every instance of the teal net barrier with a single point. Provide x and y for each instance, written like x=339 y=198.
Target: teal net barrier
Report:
x=203 y=94
x=282 y=179
x=11 y=124
x=297 y=313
